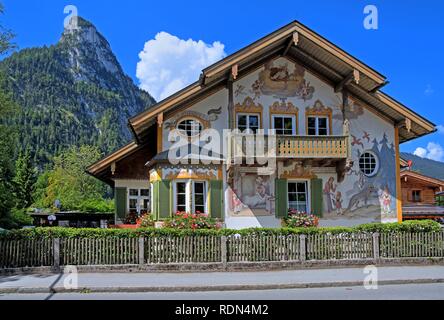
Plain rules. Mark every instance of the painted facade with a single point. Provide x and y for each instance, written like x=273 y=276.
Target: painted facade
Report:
x=336 y=155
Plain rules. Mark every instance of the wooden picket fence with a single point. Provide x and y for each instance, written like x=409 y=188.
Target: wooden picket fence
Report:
x=216 y=249
x=182 y=250
x=410 y=245
x=340 y=247
x=26 y=253
x=263 y=248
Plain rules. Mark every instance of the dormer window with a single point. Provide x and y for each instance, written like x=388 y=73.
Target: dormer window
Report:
x=190 y=127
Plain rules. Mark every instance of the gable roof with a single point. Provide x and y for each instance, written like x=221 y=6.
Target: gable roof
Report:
x=314 y=52
x=422 y=178
x=297 y=42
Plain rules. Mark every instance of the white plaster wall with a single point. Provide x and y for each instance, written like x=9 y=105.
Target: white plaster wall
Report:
x=362 y=123
x=323 y=92
x=215 y=101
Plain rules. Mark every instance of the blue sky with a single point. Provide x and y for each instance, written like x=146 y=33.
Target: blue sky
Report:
x=407 y=48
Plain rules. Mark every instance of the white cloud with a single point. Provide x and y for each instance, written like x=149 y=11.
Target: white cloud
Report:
x=168 y=64
x=440 y=129
x=420 y=152
x=434 y=151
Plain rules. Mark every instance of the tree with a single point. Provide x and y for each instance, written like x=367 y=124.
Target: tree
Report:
x=7 y=138
x=68 y=182
x=6 y=37
x=24 y=181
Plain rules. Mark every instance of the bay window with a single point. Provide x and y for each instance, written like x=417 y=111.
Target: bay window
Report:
x=190 y=196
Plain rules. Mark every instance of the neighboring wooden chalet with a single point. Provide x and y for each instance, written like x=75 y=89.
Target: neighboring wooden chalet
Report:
x=418 y=189
x=337 y=136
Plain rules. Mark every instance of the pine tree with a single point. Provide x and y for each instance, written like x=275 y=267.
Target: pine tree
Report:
x=7 y=138
x=24 y=180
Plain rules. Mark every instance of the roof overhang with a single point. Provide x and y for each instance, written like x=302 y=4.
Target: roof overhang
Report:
x=422 y=178
x=99 y=169
x=314 y=52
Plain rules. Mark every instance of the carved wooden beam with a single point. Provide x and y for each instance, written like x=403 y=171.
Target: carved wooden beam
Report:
x=235 y=71
x=406 y=123
x=353 y=76
x=294 y=41
x=113 y=168
x=160 y=120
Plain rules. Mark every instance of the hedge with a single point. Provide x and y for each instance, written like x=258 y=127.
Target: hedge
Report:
x=41 y=233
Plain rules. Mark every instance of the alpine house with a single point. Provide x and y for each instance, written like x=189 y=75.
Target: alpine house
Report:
x=331 y=139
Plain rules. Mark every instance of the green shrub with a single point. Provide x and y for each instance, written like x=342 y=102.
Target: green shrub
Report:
x=97 y=206
x=39 y=233
x=407 y=226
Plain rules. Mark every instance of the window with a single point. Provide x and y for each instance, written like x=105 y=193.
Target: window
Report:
x=199 y=197
x=284 y=125
x=416 y=195
x=318 y=126
x=181 y=196
x=298 y=196
x=190 y=127
x=190 y=196
x=368 y=163
x=139 y=201
x=248 y=121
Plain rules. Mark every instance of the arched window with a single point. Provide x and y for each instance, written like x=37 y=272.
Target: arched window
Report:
x=190 y=127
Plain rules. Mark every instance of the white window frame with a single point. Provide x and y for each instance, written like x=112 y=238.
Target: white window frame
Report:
x=308 y=191
x=375 y=172
x=317 y=125
x=189 y=197
x=139 y=198
x=205 y=195
x=293 y=118
x=248 y=115
x=184 y=133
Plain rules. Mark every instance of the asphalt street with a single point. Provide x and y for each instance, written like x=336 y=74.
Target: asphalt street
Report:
x=389 y=292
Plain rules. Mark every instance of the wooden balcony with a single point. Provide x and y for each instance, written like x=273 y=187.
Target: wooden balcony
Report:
x=291 y=147
x=336 y=147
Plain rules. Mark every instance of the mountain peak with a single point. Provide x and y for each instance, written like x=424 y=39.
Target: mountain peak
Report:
x=72 y=93
x=81 y=29
x=90 y=54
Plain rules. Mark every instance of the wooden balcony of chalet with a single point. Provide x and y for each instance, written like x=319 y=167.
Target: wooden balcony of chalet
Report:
x=333 y=148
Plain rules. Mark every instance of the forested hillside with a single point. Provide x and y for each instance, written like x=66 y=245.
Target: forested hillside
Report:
x=72 y=93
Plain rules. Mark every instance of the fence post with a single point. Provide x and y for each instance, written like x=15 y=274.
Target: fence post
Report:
x=303 y=247
x=376 y=246
x=56 y=253
x=141 y=250
x=224 y=251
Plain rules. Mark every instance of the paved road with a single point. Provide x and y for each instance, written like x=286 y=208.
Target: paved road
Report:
x=395 y=292
x=229 y=280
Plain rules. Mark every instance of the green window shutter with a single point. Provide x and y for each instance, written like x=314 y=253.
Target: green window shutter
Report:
x=316 y=197
x=164 y=199
x=120 y=199
x=281 y=198
x=155 y=199
x=216 y=199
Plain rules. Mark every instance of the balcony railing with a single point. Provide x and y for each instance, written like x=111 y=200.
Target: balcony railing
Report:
x=297 y=147
x=312 y=147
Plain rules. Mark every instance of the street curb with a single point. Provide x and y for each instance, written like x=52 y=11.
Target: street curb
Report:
x=253 y=287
